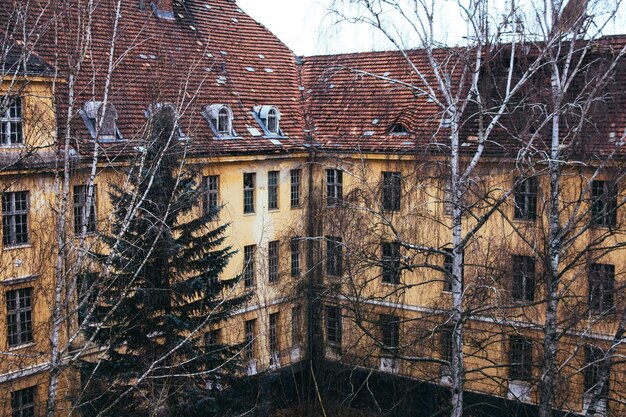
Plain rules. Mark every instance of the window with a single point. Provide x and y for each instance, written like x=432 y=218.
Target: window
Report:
x=273 y=336
x=525 y=192
x=211 y=187
x=19 y=316
x=601 y=287
x=334 y=256
x=603 y=203
x=269 y=118
x=212 y=338
x=14 y=218
x=594 y=364
x=248 y=265
x=296 y=176
x=399 y=129
x=295 y=326
x=272 y=190
x=448 y=199
x=23 y=402
x=445 y=340
x=248 y=192
x=295 y=257
x=448 y=270
x=11 y=123
x=84 y=211
x=272 y=261
x=392 y=187
x=523 y=288
x=333 y=325
x=391 y=262
x=220 y=118
x=448 y=264
x=521 y=359
x=249 y=330
x=334 y=187
x=86 y=294
x=390 y=331
x=101 y=120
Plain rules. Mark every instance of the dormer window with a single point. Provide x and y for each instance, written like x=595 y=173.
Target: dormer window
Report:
x=269 y=119
x=101 y=121
x=220 y=118
x=398 y=129
x=180 y=135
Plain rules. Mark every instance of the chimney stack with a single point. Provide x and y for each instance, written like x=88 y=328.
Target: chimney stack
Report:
x=164 y=9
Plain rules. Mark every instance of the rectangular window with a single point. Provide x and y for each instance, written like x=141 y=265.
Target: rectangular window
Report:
x=594 y=363
x=295 y=257
x=249 y=336
x=295 y=326
x=86 y=294
x=391 y=192
x=15 y=218
x=447 y=198
x=273 y=336
x=445 y=339
x=272 y=190
x=23 y=402
x=601 y=287
x=333 y=325
x=334 y=187
x=248 y=192
x=212 y=338
x=84 y=211
x=521 y=359
x=19 y=316
x=523 y=288
x=296 y=177
x=603 y=203
x=211 y=187
x=526 y=199
x=248 y=265
x=11 y=123
x=272 y=261
x=391 y=262
x=448 y=263
x=334 y=257
x=390 y=331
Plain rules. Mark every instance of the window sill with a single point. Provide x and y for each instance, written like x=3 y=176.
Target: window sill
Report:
x=252 y=213
x=13 y=146
x=273 y=210
x=522 y=220
x=295 y=207
x=15 y=247
x=22 y=346
x=390 y=284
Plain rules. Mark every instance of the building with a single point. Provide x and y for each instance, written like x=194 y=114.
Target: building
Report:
x=328 y=169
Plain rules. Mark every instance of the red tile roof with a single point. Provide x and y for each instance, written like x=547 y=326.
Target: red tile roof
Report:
x=353 y=100
x=211 y=53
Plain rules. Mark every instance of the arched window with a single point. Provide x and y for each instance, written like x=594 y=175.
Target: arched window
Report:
x=223 y=121
x=220 y=118
x=269 y=118
x=399 y=129
x=272 y=121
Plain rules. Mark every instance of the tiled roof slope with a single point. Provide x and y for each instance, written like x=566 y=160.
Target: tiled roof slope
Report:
x=353 y=100
x=16 y=60
x=211 y=53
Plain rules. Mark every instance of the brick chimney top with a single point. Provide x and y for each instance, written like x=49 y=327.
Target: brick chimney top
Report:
x=163 y=9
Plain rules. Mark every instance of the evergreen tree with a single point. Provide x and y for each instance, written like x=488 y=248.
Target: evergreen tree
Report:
x=162 y=294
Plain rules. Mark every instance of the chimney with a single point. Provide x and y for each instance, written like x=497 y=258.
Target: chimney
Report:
x=163 y=9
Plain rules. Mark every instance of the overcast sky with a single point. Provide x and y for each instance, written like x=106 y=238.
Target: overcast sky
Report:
x=308 y=28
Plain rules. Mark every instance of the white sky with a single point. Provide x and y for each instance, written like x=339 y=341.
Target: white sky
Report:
x=307 y=27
